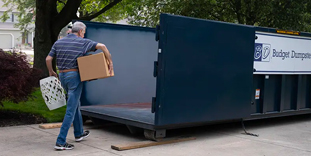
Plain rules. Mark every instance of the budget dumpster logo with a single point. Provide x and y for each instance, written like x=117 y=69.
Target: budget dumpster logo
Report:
x=262 y=52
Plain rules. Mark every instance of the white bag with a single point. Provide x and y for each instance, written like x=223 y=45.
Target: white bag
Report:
x=52 y=92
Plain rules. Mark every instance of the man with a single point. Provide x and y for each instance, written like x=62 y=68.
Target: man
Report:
x=66 y=51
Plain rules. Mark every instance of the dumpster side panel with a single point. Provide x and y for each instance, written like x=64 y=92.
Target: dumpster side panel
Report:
x=272 y=94
x=259 y=83
x=304 y=92
x=281 y=95
x=205 y=71
x=284 y=82
x=289 y=92
x=133 y=51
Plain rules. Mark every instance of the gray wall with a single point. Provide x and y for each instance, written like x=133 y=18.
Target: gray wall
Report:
x=133 y=51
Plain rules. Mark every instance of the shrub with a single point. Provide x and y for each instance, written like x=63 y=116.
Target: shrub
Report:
x=17 y=79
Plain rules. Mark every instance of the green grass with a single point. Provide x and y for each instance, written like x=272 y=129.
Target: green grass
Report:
x=36 y=106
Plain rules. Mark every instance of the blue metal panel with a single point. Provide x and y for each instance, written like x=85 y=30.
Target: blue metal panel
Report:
x=205 y=71
x=259 y=83
x=289 y=92
x=304 y=92
x=272 y=94
x=281 y=93
x=133 y=51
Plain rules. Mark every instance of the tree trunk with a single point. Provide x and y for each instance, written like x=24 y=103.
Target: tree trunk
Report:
x=48 y=25
x=44 y=38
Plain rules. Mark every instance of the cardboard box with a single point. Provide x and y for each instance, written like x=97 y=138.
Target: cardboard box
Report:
x=93 y=67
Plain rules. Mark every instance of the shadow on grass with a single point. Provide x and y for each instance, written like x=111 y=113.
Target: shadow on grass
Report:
x=15 y=118
x=35 y=107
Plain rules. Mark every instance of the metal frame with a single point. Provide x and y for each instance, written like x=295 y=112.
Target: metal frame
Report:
x=118 y=120
x=278 y=114
x=184 y=125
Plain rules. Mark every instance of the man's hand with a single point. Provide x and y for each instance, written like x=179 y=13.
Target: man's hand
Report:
x=107 y=55
x=110 y=67
x=52 y=73
x=49 y=65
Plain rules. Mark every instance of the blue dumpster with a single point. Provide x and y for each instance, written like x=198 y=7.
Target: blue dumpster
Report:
x=189 y=72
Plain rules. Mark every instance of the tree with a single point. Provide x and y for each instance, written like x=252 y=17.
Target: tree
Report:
x=282 y=14
x=53 y=15
x=17 y=77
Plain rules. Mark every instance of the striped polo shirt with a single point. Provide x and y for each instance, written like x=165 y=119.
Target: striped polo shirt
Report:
x=68 y=49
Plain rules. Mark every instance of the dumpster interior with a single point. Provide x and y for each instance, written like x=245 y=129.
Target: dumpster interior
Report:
x=127 y=96
x=139 y=114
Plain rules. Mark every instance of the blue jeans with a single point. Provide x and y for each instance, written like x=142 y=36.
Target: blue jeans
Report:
x=72 y=84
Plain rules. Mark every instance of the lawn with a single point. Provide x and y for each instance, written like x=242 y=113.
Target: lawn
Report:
x=36 y=106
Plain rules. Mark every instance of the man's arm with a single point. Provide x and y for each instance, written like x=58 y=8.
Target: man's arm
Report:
x=107 y=55
x=48 y=61
x=105 y=50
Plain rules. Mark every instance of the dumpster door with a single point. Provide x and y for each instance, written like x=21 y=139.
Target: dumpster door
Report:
x=204 y=71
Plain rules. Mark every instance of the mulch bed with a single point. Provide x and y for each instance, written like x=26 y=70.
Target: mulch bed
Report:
x=14 y=118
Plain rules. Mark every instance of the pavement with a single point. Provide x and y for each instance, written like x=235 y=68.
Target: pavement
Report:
x=286 y=136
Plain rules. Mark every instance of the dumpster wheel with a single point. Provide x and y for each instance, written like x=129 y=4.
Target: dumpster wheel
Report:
x=154 y=135
x=149 y=134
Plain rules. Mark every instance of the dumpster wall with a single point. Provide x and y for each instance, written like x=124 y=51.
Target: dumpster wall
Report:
x=204 y=74
x=205 y=71
x=133 y=51
x=282 y=79
x=281 y=93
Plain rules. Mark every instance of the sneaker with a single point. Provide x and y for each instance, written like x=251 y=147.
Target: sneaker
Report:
x=64 y=147
x=84 y=135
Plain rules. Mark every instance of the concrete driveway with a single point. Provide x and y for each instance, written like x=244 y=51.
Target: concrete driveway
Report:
x=289 y=136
